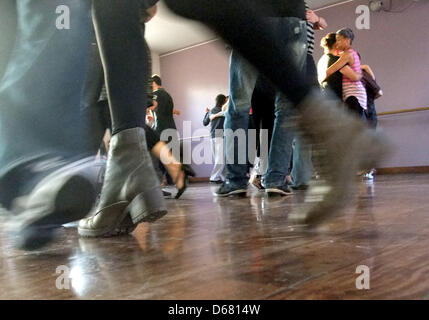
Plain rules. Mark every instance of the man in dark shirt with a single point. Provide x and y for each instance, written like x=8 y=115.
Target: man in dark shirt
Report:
x=165 y=108
x=163 y=113
x=216 y=118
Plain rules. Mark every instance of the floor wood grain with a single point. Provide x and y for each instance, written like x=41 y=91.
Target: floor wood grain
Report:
x=241 y=248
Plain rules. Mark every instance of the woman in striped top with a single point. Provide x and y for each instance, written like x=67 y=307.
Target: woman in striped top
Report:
x=354 y=93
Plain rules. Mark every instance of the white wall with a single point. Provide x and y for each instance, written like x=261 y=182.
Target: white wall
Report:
x=156 y=66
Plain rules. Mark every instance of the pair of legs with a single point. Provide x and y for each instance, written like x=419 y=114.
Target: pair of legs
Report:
x=263 y=101
x=243 y=79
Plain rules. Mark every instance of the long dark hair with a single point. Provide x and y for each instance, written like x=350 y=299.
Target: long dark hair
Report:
x=220 y=100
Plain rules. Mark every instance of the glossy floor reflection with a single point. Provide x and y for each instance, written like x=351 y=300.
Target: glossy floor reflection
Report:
x=208 y=248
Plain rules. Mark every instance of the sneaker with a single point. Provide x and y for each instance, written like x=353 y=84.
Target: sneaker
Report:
x=368 y=176
x=300 y=187
x=166 y=193
x=216 y=181
x=343 y=145
x=284 y=190
x=226 y=190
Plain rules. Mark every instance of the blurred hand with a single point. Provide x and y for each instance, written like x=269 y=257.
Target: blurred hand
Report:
x=311 y=16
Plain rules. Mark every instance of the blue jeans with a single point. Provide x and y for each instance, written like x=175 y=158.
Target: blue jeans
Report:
x=292 y=36
x=41 y=90
x=302 y=170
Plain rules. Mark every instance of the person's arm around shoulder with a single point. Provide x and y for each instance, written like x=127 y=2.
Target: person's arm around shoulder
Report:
x=349 y=73
x=217 y=115
x=342 y=61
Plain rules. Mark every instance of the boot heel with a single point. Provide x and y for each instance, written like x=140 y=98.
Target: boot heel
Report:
x=147 y=206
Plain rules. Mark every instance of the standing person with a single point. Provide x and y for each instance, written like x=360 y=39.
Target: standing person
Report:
x=354 y=93
x=334 y=83
x=346 y=143
x=163 y=113
x=216 y=118
x=164 y=110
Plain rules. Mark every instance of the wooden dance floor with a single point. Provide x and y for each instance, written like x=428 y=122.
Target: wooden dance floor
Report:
x=240 y=248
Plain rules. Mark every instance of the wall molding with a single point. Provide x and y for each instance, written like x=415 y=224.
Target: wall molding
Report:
x=188 y=47
x=403 y=170
x=333 y=5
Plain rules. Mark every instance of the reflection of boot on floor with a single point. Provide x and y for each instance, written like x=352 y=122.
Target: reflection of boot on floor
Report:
x=131 y=192
x=343 y=145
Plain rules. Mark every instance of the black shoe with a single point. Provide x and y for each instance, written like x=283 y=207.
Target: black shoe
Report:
x=216 y=181
x=187 y=172
x=282 y=190
x=166 y=193
x=300 y=187
x=226 y=190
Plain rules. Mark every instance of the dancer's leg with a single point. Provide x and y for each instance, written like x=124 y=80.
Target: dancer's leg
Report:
x=131 y=192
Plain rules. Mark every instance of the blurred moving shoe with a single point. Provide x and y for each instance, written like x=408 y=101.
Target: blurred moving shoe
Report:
x=64 y=193
x=343 y=145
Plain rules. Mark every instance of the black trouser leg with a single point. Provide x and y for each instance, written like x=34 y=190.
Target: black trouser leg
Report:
x=124 y=57
x=245 y=28
x=354 y=106
x=94 y=114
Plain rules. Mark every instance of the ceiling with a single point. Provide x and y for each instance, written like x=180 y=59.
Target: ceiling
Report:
x=167 y=32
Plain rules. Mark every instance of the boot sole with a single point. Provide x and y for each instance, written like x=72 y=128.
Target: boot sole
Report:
x=110 y=230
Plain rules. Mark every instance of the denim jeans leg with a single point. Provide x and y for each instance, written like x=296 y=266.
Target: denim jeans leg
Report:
x=302 y=169
x=293 y=32
x=242 y=82
x=281 y=143
x=41 y=90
